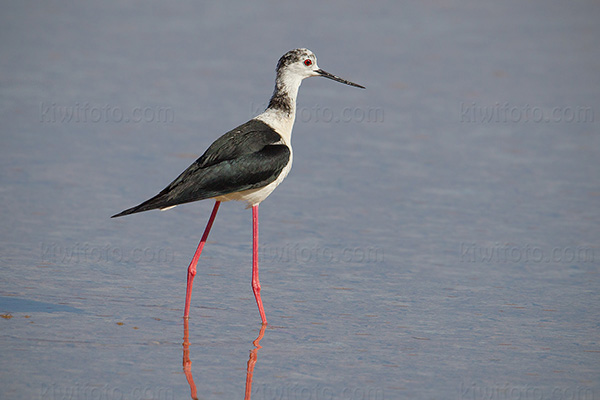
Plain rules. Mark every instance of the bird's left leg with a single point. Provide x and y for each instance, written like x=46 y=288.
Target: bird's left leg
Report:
x=194 y=262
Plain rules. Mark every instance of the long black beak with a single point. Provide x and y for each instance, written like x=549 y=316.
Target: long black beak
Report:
x=337 y=78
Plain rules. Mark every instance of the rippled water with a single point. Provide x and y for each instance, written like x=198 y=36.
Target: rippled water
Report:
x=437 y=237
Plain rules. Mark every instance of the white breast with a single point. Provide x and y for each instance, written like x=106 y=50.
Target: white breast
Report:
x=280 y=122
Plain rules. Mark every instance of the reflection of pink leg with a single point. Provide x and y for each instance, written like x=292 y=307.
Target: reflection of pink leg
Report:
x=194 y=262
x=187 y=364
x=255 y=281
x=252 y=362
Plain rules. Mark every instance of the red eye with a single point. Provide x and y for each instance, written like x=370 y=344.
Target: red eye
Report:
x=307 y=62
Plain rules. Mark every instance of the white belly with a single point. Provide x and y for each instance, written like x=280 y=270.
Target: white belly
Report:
x=255 y=196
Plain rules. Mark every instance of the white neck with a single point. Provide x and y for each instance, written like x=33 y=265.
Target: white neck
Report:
x=281 y=112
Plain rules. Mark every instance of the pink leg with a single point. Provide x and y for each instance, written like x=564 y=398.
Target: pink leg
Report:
x=255 y=281
x=194 y=262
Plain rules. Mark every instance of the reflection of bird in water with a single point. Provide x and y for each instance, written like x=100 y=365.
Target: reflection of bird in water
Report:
x=187 y=363
x=246 y=163
x=252 y=362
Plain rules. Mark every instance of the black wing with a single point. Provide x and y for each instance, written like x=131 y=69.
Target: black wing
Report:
x=248 y=157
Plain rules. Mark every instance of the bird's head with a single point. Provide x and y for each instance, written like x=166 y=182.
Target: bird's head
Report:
x=299 y=64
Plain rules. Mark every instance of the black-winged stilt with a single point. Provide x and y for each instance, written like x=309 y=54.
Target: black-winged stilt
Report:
x=246 y=163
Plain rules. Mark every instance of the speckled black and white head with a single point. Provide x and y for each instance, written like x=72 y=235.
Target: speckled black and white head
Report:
x=292 y=68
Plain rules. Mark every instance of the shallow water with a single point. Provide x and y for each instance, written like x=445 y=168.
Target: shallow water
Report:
x=436 y=238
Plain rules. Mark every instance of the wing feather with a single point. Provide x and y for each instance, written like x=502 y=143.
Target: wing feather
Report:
x=247 y=157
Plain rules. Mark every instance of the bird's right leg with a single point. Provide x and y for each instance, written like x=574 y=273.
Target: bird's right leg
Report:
x=255 y=280
x=194 y=262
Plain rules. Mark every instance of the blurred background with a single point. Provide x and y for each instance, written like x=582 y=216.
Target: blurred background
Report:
x=437 y=237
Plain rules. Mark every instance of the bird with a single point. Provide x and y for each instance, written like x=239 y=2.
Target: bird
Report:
x=245 y=164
